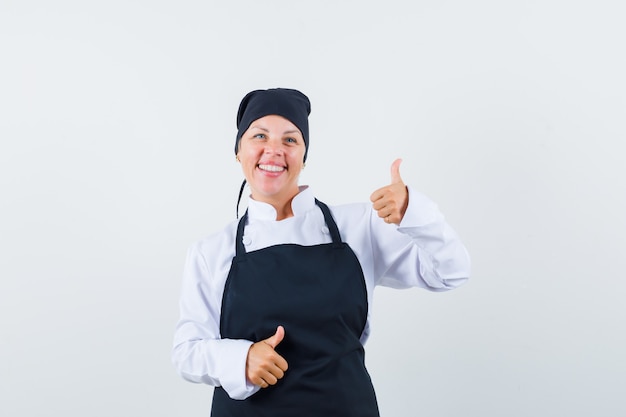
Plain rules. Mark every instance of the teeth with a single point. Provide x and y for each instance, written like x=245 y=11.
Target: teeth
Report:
x=271 y=168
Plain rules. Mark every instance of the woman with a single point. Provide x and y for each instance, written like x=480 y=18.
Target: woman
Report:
x=275 y=307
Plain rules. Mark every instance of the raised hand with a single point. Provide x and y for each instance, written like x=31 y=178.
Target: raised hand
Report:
x=392 y=200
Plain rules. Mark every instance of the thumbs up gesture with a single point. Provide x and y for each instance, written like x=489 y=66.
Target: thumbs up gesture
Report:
x=264 y=367
x=391 y=201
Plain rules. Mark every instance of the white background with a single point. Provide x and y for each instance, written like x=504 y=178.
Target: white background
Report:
x=117 y=126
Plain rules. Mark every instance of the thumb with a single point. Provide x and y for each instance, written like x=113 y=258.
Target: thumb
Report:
x=395 y=171
x=278 y=337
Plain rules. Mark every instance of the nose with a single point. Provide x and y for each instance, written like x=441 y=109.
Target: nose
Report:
x=273 y=148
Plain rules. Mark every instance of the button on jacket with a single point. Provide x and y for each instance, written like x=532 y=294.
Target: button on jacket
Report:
x=423 y=251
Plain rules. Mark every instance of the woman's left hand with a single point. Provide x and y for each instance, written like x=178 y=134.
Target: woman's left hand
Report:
x=391 y=201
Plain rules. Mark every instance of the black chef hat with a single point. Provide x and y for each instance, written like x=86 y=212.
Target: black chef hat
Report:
x=290 y=104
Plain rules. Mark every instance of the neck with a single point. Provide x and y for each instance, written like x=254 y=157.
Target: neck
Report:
x=282 y=204
x=283 y=212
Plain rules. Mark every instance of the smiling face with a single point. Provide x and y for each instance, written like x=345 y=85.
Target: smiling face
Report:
x=271 y=153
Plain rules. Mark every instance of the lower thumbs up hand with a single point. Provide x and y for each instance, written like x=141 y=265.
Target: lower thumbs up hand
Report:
x=264 y=367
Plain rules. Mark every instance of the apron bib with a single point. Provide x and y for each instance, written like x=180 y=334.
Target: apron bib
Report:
x=318 y=294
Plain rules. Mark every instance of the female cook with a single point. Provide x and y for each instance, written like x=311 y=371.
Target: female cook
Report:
x=274 y=309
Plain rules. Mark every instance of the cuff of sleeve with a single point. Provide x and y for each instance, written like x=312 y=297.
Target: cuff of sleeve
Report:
x=420 y=211
x=232 y=369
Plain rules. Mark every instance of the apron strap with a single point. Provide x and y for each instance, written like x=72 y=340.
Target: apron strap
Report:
x=239 y=249
x=330 y=222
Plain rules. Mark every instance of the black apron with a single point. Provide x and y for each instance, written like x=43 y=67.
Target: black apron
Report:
x=318 y=294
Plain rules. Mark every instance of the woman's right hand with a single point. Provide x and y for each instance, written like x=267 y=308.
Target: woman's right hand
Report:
x=264 y=367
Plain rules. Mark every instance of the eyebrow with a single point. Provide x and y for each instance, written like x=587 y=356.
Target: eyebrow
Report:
x=286 y=132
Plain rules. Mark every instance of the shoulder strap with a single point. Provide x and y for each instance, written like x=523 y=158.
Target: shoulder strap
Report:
x=330 y=222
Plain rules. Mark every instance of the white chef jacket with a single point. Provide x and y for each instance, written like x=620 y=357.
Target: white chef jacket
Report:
x=423 y=251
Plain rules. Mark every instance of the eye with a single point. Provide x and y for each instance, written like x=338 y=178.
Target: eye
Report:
x=259 y=136
x=291 y=140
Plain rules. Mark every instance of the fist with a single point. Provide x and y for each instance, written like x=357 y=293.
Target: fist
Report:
x=264 y=367
x=391 y=201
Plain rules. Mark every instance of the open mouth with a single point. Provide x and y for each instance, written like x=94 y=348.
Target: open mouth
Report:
x=271 y=168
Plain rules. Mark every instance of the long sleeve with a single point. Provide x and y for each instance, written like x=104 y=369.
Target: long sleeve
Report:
x=199 y=354
x=428 y=254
